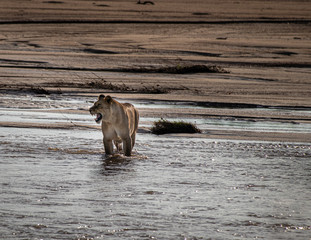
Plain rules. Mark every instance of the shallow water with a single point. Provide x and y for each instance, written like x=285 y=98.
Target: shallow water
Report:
x=46 y=117
x=49 y=109
x=58 y=184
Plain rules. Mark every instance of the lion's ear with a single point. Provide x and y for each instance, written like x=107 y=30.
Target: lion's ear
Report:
x=101 y=96
x=108 y=99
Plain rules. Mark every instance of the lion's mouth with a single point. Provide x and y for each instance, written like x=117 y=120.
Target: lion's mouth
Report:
x=98 y=118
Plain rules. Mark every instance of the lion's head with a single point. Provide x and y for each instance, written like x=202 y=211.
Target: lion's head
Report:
x=101 y=108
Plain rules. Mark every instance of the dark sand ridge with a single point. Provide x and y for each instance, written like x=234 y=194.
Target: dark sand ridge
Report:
x=66 y=44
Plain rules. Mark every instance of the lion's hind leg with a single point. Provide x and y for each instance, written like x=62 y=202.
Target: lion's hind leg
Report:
x=127 y=146
x=133 y=139
x=118 y=144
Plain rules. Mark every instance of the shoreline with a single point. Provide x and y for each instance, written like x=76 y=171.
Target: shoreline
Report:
x=121 y=48
x=226 y=135
x=181 y=110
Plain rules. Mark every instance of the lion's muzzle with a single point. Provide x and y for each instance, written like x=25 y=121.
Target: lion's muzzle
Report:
x=99 y=116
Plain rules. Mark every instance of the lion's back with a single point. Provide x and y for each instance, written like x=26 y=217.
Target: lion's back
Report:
x=133 y=115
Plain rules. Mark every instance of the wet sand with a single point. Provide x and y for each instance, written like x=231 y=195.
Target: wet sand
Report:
x=83 y=48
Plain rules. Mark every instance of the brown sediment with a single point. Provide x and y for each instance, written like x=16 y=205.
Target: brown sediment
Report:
x=261 y=53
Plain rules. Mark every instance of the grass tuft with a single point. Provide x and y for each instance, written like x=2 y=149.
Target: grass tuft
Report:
x=103 y=84
x=39 y=90
x=180 y=69
x=164 y=126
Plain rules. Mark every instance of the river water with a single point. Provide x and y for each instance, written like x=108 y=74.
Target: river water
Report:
x=59 y=184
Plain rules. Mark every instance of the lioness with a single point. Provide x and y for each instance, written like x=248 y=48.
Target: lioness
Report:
x=119 y=123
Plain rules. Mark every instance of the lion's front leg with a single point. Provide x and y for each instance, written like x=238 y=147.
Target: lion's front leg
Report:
x=127 y=146
x=108 y=146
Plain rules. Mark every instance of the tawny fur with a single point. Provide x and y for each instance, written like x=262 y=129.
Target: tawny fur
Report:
x=119 y=123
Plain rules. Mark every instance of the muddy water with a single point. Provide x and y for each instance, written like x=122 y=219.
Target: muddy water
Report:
x=58 y=184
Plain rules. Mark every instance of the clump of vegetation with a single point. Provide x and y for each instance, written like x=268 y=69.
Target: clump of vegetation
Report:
x=164 y=126
x=180 y=69
x=107 y=85
x=39 y=90
x=152 y=90
x=124 y=88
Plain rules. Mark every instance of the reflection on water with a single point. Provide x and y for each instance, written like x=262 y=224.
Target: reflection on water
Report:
x=59 y=184
x=115 y=164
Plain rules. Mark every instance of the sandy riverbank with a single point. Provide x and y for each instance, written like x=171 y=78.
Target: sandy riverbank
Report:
x=82 y=48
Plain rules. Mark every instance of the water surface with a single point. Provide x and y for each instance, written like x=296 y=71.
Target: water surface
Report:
x=58 y=184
